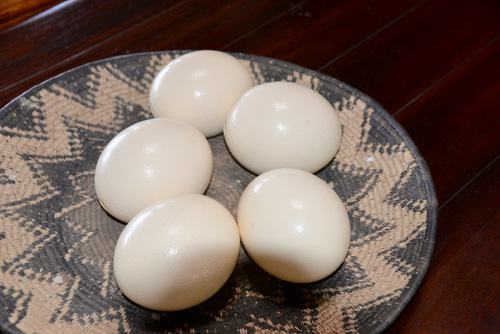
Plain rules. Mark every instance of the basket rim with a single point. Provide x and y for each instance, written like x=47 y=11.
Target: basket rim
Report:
x=398 y=129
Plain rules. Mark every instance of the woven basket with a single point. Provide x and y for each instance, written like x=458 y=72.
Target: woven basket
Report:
x=56 y=242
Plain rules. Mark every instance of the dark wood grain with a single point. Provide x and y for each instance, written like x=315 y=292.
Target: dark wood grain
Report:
x=15 y=11
x=461 y=109
x=418 y=50
x=46 y=47
x=297 y=37
x=434 y=65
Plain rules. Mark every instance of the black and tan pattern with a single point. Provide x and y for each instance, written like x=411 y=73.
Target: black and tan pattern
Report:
x=56 y=243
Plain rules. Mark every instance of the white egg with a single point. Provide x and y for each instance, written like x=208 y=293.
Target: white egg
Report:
x=200 y=87
x=176 y=253
x=149 y=161
x=282 y=125
x=293 y=225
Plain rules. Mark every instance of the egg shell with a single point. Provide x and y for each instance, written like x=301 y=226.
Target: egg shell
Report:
x=282 y=125
x=200 y=87
x=293 y=225
x=151 y=160
x=176 y=253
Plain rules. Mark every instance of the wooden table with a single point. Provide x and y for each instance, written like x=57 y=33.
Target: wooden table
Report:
x=434 y=65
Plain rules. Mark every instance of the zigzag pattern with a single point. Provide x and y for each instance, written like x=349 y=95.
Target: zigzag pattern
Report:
x=56 y=243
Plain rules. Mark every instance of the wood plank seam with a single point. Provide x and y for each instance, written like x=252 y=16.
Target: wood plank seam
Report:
x=76 y=55
x=430 y=87
x=293 y=8
x=370 y=36
x=468 y=183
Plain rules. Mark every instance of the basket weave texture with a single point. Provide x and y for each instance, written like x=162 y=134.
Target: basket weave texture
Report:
x=57 y=243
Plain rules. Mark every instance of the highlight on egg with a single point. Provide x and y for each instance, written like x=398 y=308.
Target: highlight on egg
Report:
x=293 y=225
x=200 y=87
x=176 y=253
x=151 y=160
